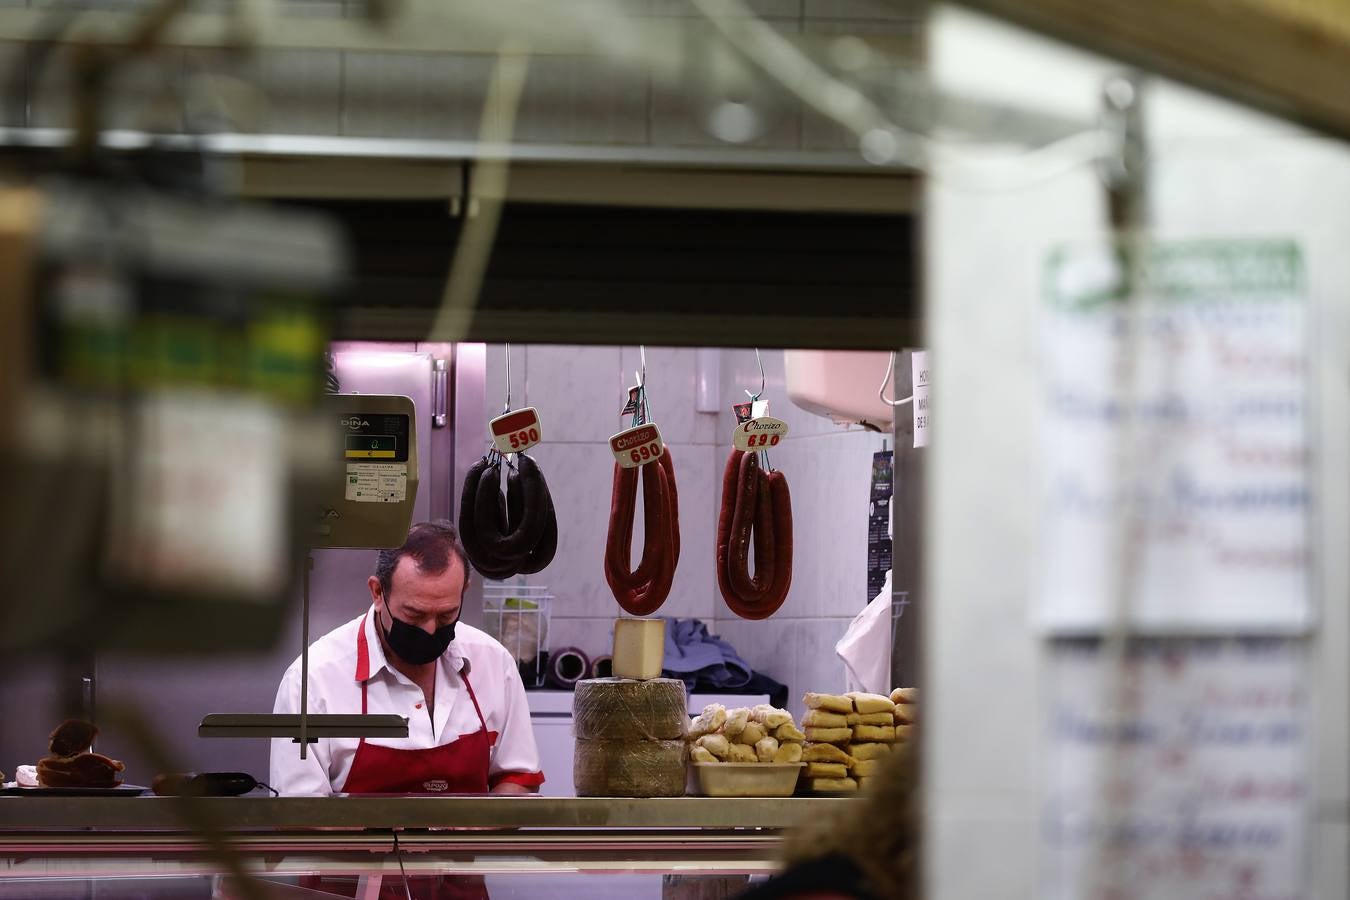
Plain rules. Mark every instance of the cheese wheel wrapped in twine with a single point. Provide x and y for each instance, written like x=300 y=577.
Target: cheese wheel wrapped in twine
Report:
x=627 y=709
x=605 y=768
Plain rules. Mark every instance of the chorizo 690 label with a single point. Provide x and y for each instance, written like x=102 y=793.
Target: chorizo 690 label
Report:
x=516 y=431
x=637 y=446
x=761 y=433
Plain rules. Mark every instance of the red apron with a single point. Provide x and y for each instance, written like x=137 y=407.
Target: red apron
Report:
x=459 y=767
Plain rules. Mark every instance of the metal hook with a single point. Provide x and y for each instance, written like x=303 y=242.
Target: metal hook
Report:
x=760 y=362
x=506 y=407
x=881 y=392
x=641 y=373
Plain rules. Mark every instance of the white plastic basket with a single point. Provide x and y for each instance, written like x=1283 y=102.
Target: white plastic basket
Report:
x=518 y=616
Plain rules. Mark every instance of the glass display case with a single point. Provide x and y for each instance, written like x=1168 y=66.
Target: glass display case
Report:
x=227 y=848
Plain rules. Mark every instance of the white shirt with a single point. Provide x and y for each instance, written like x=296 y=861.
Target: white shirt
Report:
x=335 y=687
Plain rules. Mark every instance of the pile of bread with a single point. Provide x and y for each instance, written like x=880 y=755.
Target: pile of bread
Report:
x=849 y=736
x=757 y=734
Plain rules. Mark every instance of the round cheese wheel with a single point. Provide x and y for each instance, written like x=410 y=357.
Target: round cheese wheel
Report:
x=624 y=709
x=604 y=768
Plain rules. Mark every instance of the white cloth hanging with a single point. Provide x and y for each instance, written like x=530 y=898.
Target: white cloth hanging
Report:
x=866 y=647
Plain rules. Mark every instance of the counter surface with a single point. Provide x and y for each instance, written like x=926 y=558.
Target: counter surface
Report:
x=236 y=813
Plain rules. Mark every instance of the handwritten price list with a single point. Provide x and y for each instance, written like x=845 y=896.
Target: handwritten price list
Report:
x=1196 y=791
x=1220 y=490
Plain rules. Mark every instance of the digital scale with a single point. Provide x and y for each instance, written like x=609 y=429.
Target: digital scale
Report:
x=372 y=506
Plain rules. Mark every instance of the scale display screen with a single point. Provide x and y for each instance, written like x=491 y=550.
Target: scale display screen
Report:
x=377 y=438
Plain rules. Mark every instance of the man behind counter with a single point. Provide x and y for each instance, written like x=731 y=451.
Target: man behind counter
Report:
x=468 y=720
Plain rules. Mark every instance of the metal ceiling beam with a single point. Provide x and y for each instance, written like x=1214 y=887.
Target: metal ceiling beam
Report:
x=1293 y=68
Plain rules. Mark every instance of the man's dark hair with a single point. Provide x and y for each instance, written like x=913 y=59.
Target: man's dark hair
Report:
x=430 y=544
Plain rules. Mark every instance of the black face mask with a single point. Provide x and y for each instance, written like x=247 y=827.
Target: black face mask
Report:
x=414 y=645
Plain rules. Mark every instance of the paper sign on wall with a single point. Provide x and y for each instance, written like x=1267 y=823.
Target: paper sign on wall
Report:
x=1198 y=787
x=1220 y=484
x=919 y=361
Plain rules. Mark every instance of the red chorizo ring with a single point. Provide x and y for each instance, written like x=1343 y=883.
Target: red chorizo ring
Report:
x=618 y=549
x=642 y=592
x=723 y=548
x=647 y=597
x=755 y=509
x=742 y=522
x=781 y=503
x=754 y=504
x=765 y=544
x=619 y=542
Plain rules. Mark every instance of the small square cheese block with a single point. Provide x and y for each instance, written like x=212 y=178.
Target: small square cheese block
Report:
x=639 y=648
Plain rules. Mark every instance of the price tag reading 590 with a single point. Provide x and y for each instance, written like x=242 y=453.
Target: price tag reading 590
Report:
x=637 y=446
x=516 y=431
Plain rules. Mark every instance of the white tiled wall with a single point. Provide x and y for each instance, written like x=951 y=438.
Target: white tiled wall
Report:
x=579 y=391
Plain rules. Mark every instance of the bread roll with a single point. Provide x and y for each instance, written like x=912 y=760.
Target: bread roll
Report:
x=701 y=754
x=905 y=695
x=751 y=735
x=826 y=770
x=716 y=744
x=788 y=753
x=833 y=735
x=904 y=714
x=713 y=717
x=825 y=753
x=884 y=733
x=869 y=751
x=789 y=732
x=864 y=767
x=832 y=785
x=870 y=719
x=770 y=717
x=903 y=732
x=819 y=718
x=736 y=721
x=741 y=753
x=870 y=703
x=828 y=702
x=765 y=748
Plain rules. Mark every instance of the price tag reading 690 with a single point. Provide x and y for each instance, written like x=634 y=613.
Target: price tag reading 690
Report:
x=637 y=446
x=516 y=431
x=760 y=433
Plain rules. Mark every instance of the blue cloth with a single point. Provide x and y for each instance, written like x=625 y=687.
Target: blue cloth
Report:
x=702 y=659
